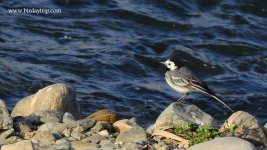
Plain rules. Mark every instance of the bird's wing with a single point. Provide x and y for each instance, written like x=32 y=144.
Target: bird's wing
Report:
x=180 y=81
x=185 y=77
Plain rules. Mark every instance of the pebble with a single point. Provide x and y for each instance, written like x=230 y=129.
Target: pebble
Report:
x=86 y=124
x=6 y=134
x=52 y=126
x=78 y=136
x=69 y=120
x=104 y=133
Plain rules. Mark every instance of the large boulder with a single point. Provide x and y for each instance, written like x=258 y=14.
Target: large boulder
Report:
x=6 y=121
x=54 y=97
x=246 y=127
x=224 y=143
x=179 y=113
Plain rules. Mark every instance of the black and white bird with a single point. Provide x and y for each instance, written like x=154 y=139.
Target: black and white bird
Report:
x=184 y=81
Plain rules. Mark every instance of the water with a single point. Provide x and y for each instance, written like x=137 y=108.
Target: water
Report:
x=109 y=50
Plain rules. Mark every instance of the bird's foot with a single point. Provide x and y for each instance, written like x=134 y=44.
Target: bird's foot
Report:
x=181 y=99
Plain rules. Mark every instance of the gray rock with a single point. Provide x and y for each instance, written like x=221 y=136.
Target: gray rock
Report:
x=78 y=129
x=10 y=140
x=179 y=113
x=22 y=127
x=69 y=120
x=62 y=144
x=131 y=146
x=225 y=143
x=6 y=121
x=80 y=145
x=6 y=134
x=134 y=135
x=150 y=129
x=104 y=142
x=44 y=137
x=86 y=124
x=66 y=133
x=247 y=128
x=102 y=125
x=52 y=126
x=108 y=146
x=54 y=97
x=265 y=129
x=93 y=138
x=161 y=146
x=44 y=116
x=23 y=145
x=78 y=136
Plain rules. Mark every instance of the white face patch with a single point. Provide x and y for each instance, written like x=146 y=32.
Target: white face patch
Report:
x=169 y=64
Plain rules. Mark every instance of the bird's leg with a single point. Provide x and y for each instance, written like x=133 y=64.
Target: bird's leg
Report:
x=181 y=99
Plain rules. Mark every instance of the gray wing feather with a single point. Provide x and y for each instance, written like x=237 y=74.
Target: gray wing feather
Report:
x=184 y=77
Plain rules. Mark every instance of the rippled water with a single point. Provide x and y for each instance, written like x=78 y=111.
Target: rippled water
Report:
x=109 y=51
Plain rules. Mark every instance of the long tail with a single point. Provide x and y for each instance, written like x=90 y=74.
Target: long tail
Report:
x=215 y=97
x=208 y=92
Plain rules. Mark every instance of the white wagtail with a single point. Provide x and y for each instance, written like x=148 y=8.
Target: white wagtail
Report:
x=184 y=81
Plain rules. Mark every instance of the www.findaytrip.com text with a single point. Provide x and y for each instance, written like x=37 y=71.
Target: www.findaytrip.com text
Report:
x=33 y=11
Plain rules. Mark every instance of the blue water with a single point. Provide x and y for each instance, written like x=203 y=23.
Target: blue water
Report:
x=109 y=50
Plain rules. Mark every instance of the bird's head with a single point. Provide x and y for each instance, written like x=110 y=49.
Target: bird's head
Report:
x=171 y=64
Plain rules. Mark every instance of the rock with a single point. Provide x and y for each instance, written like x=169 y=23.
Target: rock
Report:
x=10 y=140
x=86 y=124
x=29 y=135
x=93 y=138
x=66 y=133
x=104 y=142
x=45 y=137
x=78 y=136
x=103 y=115
x=265 y=129
x=57 y=135
x=150 y=129
x=78 y=129
x=124 y=125
x=224 y=143
x=44 y=116
x=131 y=146
x=247 y=128
x=161 y=146
x=69 y=120
x=79 y=145
x=62 y=144
x=23 y=145
x=136 y=135
x=108 y=146
x=102 y=125
x=54 y=97
x=22 y=127
x=6 y=121
x=6 y=134
x=104 y=133
x=52 y=126
x=179 y=113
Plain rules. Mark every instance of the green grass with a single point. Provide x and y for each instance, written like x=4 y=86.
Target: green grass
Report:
x=196 y=134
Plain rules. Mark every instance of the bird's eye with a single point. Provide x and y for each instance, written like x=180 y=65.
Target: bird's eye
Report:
x=169 y=64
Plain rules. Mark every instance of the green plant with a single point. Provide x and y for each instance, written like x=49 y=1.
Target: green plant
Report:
x=196 y=134
x=233 y=128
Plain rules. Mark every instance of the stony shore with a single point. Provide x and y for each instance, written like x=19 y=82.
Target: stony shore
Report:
x=51 y=120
